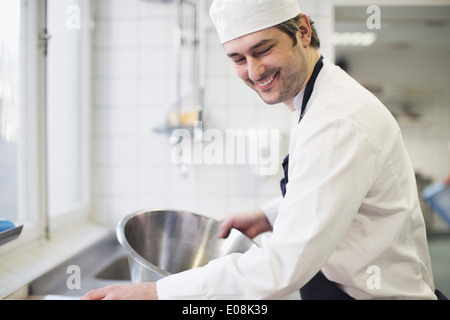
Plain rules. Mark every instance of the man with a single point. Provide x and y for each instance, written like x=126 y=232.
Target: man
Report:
x=348 y=224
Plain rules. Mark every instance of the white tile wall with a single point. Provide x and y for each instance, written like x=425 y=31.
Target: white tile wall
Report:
x=134 y=85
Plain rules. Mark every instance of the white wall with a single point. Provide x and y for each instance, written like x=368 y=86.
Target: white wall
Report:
x=134 y=84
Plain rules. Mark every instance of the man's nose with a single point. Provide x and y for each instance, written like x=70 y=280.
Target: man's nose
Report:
x=255 y=69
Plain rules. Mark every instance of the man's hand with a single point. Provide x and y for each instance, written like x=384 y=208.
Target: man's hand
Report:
x=136 y=291
x=251 y=224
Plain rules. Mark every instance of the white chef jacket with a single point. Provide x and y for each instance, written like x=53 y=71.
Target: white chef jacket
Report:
x=351 y=209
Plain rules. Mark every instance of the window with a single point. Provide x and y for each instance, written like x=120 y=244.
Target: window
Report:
x=13 y=138
x=67 y=108
x=44 y=104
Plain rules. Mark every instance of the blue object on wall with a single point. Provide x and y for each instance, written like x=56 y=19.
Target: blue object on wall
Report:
x=6 y=225
x=437 y=196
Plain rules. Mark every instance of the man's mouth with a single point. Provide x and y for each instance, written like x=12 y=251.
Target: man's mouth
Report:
x=267 y=84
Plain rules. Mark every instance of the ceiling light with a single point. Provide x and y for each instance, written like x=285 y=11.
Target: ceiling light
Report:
x=352 y=39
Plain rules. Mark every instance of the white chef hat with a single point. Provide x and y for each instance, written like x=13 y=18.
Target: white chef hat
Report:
x=236 y=18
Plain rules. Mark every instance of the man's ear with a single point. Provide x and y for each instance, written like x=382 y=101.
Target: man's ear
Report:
x=305 y=33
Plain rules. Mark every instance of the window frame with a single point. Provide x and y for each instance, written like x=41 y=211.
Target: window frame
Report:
x=33 y=183
x=80 y=211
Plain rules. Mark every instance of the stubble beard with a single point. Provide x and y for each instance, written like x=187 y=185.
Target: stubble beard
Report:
x=291 y=78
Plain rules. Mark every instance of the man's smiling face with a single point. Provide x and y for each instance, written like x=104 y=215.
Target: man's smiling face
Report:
x=268 y=63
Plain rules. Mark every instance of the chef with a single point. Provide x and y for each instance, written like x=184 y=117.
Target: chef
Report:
x=348 y=224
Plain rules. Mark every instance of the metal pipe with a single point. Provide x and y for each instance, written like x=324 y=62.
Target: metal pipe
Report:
x=179 y=57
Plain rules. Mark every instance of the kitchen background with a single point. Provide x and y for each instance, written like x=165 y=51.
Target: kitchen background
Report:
x=134 y=86
x=139 y=73
x=408 y=68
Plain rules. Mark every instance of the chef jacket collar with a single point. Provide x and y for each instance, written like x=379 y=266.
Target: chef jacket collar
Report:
x=298 y=99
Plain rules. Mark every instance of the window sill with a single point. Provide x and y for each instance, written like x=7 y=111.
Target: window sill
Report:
x=19 y=268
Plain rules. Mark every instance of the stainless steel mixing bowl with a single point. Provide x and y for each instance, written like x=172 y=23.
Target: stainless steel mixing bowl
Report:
x=161 y=242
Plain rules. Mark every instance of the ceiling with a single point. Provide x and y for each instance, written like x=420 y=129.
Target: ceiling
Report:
x=402 y=28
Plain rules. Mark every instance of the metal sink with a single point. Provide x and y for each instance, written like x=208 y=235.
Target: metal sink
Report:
x=152 y=244
x=103 y=264
x=118 y=270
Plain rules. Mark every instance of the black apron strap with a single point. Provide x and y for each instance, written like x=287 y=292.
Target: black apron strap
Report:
x=284 y=181
x=310 y=86
x=307 y=94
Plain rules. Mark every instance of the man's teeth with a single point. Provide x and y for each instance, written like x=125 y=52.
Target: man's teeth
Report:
x=263 y=84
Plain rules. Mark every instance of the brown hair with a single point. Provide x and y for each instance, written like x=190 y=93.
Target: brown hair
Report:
x=291 y=27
